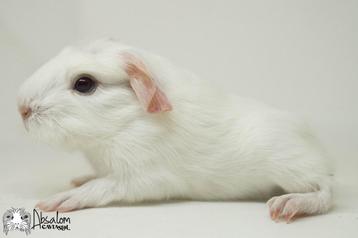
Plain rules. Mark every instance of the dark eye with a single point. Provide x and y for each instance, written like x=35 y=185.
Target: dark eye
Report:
x=85 y=85
x=8 y=216
x=25 y=217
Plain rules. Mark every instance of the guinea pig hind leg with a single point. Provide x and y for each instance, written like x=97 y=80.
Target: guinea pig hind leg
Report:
x=293 y=205
x=78 y=181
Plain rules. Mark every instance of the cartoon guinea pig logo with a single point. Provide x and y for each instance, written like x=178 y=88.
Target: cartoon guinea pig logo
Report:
x=17 y=219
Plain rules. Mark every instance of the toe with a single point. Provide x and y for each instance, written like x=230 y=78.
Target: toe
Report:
x=271 y=201
x=277 y=205
x=291 y=209
x=69 y=205
x=290 y=217
x=53 y=203
x=47 y=207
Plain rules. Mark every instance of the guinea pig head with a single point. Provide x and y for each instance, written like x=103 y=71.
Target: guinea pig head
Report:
x=88 y=93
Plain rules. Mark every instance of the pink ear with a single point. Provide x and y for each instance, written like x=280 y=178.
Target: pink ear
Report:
x=149 y=95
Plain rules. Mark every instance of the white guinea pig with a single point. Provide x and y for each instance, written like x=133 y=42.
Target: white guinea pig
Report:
x=153 y=131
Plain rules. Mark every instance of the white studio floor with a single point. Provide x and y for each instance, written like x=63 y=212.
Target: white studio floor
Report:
x=25 y=179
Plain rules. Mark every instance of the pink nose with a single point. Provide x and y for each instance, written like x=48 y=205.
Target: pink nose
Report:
x=25 y=112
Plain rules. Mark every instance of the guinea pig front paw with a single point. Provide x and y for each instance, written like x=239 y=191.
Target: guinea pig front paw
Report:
x=94 y=193
x=62 y=202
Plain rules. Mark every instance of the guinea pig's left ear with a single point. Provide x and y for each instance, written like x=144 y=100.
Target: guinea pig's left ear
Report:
x=144 y=85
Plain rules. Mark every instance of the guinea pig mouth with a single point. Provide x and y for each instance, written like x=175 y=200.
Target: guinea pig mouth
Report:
x=37 y=118
x=44 y=125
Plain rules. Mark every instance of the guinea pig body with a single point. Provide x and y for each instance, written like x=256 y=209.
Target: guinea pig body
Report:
x=153 y=131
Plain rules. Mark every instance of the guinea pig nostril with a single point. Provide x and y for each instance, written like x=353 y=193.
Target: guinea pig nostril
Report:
x=25 y=112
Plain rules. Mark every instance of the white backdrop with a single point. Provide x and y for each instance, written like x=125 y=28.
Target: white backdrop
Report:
x=300 y=55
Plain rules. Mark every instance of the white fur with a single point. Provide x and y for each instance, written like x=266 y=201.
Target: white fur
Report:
x=211 y=146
